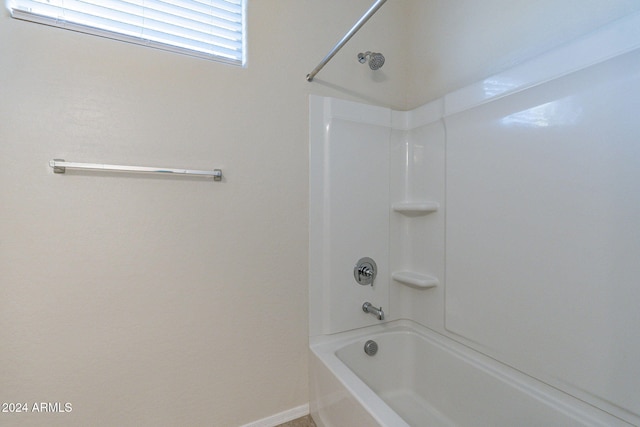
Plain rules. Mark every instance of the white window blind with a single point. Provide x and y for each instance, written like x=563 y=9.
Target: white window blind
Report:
x=212 y=29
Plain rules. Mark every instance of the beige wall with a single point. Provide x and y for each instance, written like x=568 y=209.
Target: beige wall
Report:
x=159 y=301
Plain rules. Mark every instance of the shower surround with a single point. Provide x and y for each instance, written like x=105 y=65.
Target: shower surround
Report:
x=502 y=217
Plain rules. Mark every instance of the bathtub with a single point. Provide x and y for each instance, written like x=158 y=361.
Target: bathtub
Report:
x=420 y=378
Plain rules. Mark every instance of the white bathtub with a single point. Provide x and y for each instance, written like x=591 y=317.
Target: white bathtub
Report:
x=419 y=378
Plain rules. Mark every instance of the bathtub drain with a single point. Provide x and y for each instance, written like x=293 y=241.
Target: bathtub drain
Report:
x=371 y=347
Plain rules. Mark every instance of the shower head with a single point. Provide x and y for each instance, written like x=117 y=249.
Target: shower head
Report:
x=376 y=60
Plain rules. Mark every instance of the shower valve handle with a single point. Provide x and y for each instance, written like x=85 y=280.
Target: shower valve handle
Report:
x=365 y=271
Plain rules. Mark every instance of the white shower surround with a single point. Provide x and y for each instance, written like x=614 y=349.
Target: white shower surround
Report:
x=544 y=152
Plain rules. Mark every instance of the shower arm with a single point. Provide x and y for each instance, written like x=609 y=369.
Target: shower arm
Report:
x=368 y=14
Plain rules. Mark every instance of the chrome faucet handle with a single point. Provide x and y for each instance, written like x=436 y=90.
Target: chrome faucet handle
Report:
x=365 y=271
x=367 y=307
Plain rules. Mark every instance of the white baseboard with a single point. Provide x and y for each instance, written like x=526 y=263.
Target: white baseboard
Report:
x=282 y=417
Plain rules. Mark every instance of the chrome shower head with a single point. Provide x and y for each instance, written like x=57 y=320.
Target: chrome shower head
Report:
x=376 y=60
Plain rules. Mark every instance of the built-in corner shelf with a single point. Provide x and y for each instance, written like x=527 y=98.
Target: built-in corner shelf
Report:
x=415 y=280
x=416 y=208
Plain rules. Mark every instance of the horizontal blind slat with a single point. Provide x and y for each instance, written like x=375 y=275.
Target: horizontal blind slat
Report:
x=211 y=28
x=206 y=8
x=196 y=20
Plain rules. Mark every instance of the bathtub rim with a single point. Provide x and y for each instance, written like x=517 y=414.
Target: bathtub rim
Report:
x=325 y=348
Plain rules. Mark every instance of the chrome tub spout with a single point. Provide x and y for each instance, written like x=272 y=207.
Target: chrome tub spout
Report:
x=367 y=307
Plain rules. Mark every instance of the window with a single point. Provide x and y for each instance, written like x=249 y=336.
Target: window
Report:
x=213 y=29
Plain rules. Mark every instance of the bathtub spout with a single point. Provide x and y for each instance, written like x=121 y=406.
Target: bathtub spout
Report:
x=367 y=307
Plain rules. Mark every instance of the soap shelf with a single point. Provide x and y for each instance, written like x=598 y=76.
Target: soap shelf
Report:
x=415 y=280
x=416 y=208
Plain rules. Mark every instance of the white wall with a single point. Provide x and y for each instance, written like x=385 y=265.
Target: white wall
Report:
x=457 y=43
x=153 y=300
x=417 y=239
x=349 y=211
x=542 y=238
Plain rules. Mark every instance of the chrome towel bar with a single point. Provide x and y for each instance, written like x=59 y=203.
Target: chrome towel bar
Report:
x=60 y=166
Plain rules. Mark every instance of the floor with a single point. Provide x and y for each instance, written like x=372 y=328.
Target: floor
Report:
x=300 y=422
